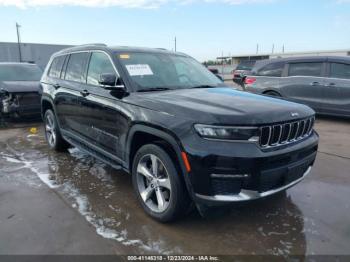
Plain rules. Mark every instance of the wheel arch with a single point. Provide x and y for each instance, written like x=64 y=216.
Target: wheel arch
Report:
x=271 y=90
x=46 y=103
x=158 y=136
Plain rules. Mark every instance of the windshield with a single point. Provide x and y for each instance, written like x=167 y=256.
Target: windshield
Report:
x=168 y=71
x=20 y=72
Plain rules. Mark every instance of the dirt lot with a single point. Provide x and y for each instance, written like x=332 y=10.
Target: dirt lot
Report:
x=70 y=203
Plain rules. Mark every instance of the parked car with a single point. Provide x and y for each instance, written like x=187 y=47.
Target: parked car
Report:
x=182 y=134
x=243 y=69
x=215 y=71
x=19 y=90
x=322 y=83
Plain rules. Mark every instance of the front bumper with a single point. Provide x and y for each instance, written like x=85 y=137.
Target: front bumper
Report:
x=246 y=195
x=21 y=104
x=235 y=172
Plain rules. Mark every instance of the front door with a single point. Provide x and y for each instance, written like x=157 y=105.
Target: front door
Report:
x=305 y=83
x=337 y=89
x=103 y=115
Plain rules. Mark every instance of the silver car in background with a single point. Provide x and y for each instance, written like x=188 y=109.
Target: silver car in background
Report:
x=322 y=83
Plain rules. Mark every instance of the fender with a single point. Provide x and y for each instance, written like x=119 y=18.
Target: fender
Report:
x=49 y=100
x=168 y=137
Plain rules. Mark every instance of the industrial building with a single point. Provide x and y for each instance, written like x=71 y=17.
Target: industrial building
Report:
x=28 y=52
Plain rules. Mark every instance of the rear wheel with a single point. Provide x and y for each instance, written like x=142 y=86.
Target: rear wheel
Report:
x=158 y=185
x=52 y=132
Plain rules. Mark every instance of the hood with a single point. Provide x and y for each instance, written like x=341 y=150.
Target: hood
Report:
x=20 y=86
x=222 y=106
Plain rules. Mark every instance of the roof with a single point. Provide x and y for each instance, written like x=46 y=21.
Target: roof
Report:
x=106 y=48
x=310 y=59
x=316 y=52
x=260 y=63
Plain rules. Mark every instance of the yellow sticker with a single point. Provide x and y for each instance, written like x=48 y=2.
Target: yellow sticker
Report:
x=33 y=130
x=124 y=56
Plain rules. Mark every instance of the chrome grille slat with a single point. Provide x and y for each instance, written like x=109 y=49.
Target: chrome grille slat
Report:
x=270 y=135
x=276 y=135
x=279 y=138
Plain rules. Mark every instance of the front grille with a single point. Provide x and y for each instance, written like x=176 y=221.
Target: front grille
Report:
x=282 y=134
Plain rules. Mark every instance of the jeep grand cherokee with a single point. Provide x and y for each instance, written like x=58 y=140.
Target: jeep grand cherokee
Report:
x=182 y=134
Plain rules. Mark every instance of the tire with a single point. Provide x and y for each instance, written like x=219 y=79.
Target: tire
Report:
x=272 y=93
x=52 y=133
x=174 y=200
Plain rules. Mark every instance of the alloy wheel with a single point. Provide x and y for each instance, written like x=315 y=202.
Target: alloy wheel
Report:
x=153 y=183
x=50 y=130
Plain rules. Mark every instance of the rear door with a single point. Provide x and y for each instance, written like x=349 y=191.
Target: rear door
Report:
x=304 y=83
x=337 y=89
x=70 y=90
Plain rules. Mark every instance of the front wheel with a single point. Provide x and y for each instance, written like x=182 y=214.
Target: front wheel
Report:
x=158 y=185
x=52 y=132
x=273 y=94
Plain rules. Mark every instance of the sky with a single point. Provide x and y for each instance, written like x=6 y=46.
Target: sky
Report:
x=205 y=29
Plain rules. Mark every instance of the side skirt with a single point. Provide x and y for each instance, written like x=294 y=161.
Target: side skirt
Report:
x=94 y=150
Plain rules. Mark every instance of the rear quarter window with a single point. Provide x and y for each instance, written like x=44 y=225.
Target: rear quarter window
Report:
x=56 y=67
x=273 y=70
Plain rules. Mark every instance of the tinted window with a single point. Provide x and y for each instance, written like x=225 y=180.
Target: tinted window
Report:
x=56 y=67
x=274 y=69
x=99 y=64
x=19 y=72
x=305 y=69
x=76 y=67
x=340 y=70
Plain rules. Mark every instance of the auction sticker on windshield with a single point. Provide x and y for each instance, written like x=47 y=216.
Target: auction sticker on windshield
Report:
x=139 y=70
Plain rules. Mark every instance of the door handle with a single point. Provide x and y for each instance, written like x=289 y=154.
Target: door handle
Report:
x=56 y=86
x=315 y=83
x=331 y=84
x=84 y=93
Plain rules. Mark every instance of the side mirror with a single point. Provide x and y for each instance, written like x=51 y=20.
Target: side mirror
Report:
x=111 y=82
x=107 y=79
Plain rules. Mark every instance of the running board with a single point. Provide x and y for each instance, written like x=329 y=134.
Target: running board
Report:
x=92 y=150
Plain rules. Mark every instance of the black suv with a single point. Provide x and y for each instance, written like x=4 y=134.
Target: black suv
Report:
x=182 y=134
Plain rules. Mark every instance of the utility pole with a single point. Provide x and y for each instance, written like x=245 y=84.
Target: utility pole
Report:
x=222 y=64
x=273 y=48
x=175 y=43
x=283 y=49
x=19 y=42
x=257 y=48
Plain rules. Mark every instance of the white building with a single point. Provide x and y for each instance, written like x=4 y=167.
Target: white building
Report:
x=236 y=59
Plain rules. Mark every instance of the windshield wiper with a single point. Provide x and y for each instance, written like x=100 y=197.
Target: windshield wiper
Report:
x=153 y=89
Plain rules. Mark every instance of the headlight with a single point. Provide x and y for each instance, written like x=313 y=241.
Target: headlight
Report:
x=228 y=133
